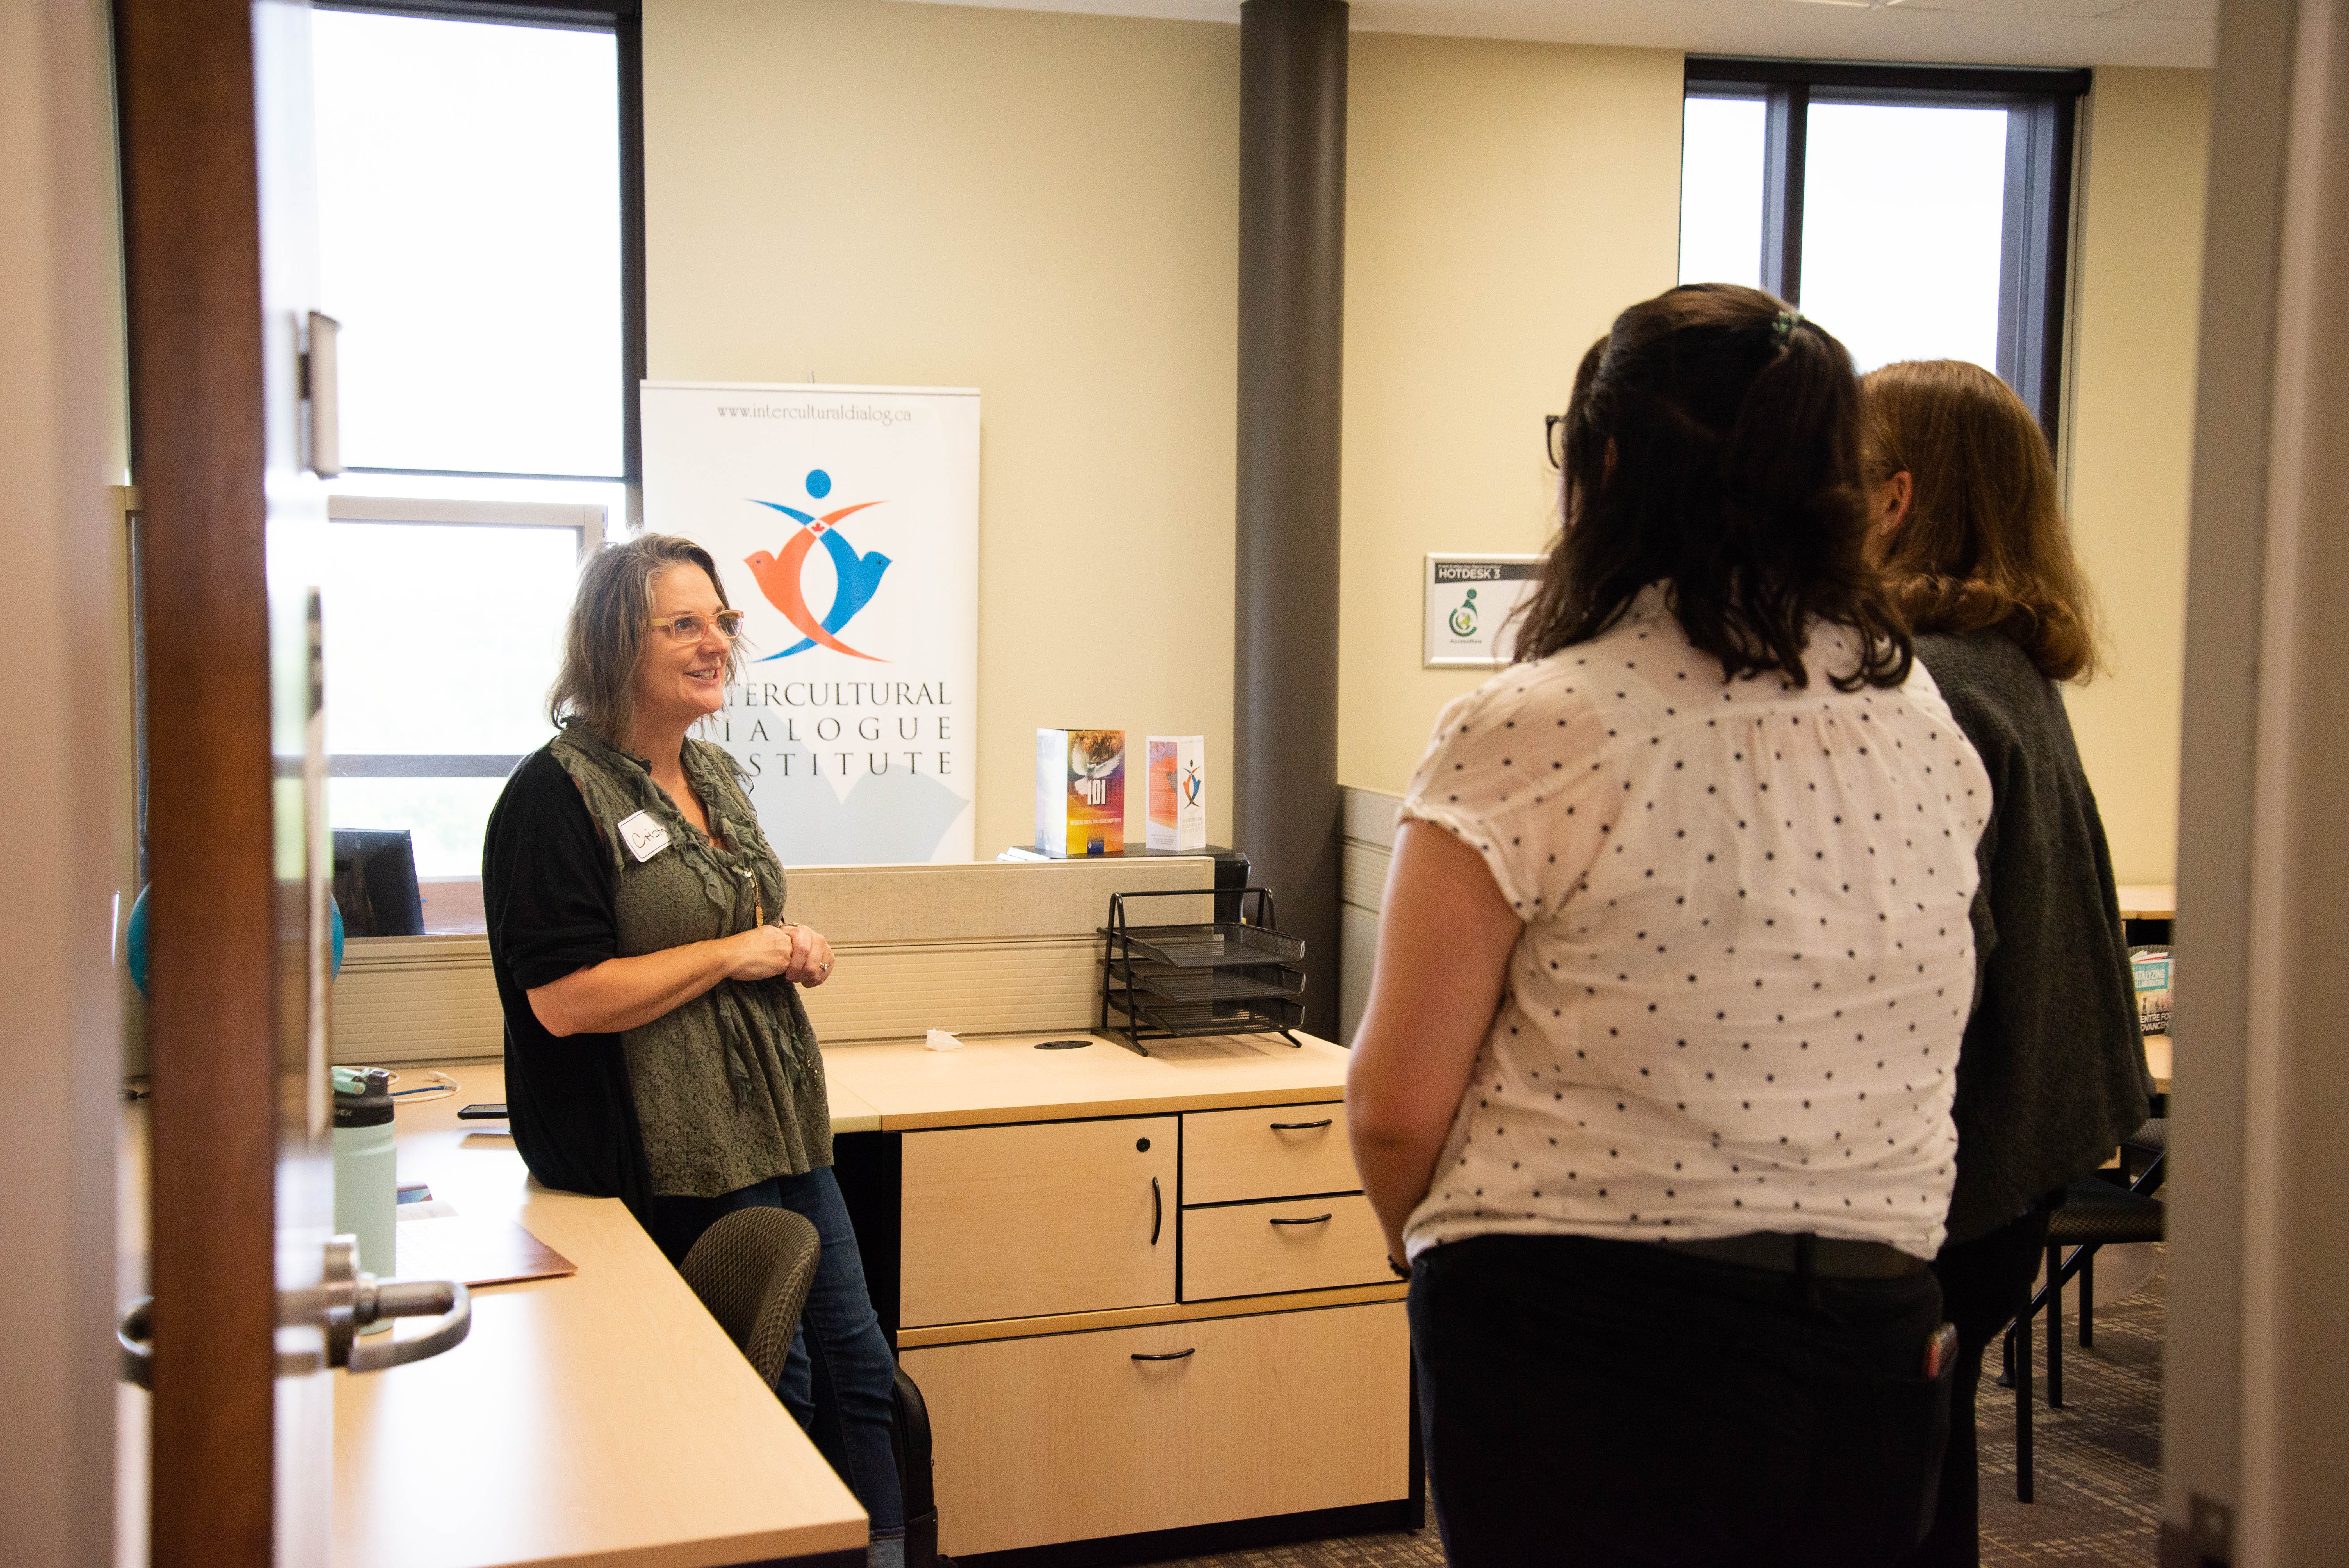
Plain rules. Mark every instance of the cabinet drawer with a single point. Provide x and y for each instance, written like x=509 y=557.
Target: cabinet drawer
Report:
x=1267 y=1152
x=1014 y=1221
x=1068 y=1438
x=1309 y=1244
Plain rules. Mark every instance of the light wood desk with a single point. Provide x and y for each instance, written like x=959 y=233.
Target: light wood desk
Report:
x=1143 y=1297
x=2148 y=901
x=2156 y=1061
x=602 y=1418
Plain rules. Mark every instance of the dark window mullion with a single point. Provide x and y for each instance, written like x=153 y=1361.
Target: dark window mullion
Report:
x=2033 y=253
x=1786 y=133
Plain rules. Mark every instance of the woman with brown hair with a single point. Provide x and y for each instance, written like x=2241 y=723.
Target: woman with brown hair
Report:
x=657 y=1049
x=1969 y=530
x=1652 y=1088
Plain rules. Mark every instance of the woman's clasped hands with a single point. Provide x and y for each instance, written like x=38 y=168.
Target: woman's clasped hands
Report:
x=797 y=953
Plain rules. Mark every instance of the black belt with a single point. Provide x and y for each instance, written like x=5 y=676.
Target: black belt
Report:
x=1782 y=1254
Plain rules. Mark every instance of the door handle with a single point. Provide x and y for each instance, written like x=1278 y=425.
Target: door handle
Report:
x=321 y=390
x=1157 y=1210
x=1316 y=1220
x=1170 y=1355
x=344 y=1301
x=1302 y=1126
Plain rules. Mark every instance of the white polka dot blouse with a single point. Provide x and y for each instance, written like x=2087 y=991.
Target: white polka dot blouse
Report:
x=1746 y=963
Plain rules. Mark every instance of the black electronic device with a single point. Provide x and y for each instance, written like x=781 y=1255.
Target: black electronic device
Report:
x=494 y=1110
x=375 y=882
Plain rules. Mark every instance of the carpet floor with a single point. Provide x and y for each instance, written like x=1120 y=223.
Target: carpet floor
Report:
x=2097 y=1468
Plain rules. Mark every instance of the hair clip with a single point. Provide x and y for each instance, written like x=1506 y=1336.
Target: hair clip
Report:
x=1784 y=326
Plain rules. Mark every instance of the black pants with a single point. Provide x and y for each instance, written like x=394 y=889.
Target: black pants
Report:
x=1613 y=1404
x=1982 y=1282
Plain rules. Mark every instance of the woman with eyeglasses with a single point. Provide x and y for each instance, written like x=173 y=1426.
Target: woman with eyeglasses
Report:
x=1651 y=1094
x=656 y=1050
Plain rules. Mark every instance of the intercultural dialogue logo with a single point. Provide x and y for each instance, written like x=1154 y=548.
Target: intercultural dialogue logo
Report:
x=855 y=577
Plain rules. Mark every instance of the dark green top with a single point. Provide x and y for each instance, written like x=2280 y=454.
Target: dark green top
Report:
x=2052 y=1075
x=729 y=1087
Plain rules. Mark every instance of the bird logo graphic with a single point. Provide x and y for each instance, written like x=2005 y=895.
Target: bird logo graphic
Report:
x=857 y=578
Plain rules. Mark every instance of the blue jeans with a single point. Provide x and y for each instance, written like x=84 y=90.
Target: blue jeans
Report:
x=839 y=1379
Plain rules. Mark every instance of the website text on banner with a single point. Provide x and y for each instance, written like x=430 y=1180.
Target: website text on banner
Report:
x=845 y=521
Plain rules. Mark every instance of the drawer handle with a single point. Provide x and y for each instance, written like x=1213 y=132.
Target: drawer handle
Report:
x=1316 y=1220
x=1303 y=1126
x=1157 y=1210
x=1170 y=1355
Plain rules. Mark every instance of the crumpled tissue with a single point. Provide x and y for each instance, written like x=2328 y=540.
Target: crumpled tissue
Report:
x=939 y=1040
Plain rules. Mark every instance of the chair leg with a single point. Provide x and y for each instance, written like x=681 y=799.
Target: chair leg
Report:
x=2018 y=1360
x=2054 y=1329
x=2087 y=1297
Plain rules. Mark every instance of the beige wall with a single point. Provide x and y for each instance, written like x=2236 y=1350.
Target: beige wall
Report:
x=60 y=776
x=1503 y=200
x=2137 y=288
x=1041 y=206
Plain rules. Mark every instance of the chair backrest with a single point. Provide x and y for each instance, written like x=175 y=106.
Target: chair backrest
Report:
x=752 y=1270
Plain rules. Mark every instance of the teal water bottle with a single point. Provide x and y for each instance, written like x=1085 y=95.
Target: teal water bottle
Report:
x=367 y=1190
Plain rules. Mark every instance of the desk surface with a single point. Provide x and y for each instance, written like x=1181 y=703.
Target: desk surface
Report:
x=602 y=1418
x=1006 y=1078
x=2148 y=901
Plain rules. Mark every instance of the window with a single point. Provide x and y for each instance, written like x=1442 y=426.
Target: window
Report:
x=1916 y=212
x=478 y=222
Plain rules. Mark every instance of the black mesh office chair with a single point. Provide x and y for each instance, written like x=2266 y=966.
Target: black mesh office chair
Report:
x=752 y=1270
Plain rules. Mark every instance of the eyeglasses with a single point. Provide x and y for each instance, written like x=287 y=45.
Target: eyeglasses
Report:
x=693 y=628
x=1554 y=435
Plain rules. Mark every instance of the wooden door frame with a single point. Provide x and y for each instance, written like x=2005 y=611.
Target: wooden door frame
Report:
x=192 y=264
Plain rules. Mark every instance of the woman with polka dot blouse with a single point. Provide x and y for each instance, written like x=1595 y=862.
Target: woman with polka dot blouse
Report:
x=1653 y=1085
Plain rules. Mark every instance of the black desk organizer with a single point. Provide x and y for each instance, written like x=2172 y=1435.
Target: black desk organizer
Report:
x=1236 y=976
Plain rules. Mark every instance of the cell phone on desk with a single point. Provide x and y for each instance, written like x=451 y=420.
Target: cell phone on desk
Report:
x=487 y=1112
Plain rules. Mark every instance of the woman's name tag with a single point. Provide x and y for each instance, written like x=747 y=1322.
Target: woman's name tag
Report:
x=645 y=837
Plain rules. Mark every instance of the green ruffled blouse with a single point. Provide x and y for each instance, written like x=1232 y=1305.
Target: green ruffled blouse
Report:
x=729 y=1087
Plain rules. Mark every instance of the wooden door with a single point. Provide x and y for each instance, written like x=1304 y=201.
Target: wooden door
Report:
x=219 y=259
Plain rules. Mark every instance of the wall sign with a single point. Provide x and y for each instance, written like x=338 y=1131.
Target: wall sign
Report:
x=1469 y=602
x=844 y=521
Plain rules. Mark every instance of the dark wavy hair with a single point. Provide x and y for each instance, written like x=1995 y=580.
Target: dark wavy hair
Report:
x=1712 y=444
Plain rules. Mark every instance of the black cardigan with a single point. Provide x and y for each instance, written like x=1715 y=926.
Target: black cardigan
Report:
x=2052 y=1075
x=546 y=888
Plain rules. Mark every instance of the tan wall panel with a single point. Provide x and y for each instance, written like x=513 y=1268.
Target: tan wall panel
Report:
x=1041 y=206
x=2131 y=440
x=1503 y=202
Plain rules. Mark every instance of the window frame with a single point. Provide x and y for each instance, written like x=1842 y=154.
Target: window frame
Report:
x=623 y=19
x=588 y=520
x=2035 y=238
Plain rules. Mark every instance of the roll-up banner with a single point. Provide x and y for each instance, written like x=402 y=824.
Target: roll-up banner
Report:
x=844 y=521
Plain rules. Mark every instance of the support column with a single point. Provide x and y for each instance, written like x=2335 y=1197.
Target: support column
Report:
x=1292 y=264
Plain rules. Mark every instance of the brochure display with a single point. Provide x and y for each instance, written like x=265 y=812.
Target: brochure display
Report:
x=1178 y=792
x=1079 y=792
x=844 y=523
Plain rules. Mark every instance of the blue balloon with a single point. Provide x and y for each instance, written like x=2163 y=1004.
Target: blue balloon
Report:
x=135 y=938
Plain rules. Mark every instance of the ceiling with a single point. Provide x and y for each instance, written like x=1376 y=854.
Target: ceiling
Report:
x=1986 y=32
